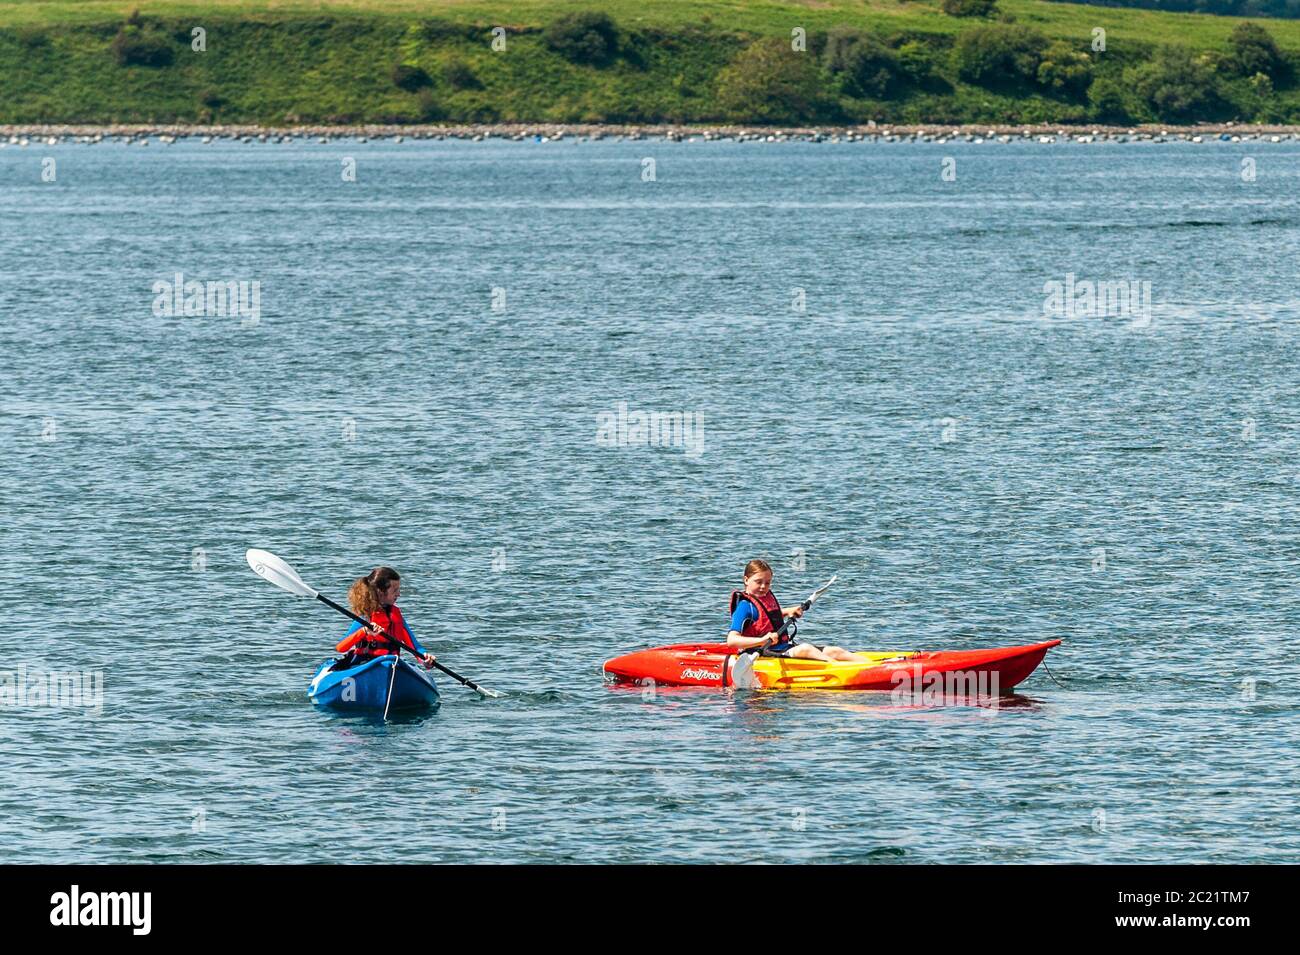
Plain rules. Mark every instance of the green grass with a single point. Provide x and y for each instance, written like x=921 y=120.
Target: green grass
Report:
x=300 y=61
x=1055 y=19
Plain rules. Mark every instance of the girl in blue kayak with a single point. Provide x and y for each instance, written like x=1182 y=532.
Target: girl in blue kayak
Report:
x=756 y=615
x=374 y=597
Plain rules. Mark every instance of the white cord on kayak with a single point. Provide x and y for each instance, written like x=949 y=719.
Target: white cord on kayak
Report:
x=391 y=677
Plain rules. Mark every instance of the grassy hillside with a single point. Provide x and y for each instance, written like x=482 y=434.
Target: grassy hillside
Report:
x=672 y=61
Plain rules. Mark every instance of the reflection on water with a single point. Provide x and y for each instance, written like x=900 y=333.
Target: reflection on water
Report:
x=350 y=719
x=870 y=703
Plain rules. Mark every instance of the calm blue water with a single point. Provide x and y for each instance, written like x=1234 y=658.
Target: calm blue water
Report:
x=978 y=473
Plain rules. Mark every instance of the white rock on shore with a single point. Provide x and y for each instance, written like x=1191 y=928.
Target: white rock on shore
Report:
x=140 y=134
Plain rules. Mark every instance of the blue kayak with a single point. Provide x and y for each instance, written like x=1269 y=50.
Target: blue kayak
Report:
x=365 y=686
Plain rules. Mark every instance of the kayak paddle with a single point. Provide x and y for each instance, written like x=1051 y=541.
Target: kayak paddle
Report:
x=271 y=568
x=742 y=667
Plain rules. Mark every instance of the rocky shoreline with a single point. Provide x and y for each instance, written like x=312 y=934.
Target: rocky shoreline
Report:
x=51 y=134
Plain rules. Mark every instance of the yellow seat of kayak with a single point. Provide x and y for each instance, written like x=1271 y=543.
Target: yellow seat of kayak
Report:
x=791 y=671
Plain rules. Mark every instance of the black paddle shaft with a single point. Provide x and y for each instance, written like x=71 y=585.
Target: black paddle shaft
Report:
x=399 y=644
x=775 y=638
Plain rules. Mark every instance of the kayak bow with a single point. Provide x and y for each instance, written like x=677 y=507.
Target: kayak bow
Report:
x=367 y=686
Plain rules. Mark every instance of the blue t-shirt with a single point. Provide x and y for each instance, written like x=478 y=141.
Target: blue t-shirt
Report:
x=744 y=613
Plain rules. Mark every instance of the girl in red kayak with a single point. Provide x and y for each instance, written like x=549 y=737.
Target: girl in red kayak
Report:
x=756 y=615
x=374 y=597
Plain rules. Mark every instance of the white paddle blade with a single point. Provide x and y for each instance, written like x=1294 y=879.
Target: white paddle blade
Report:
x=812 y=598
x=271 y=568
x=742 y=672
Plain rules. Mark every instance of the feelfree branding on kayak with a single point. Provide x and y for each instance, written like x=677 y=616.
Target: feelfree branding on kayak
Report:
x=698 y=673
x=76 y=908
x=657 y=429
x=54 y=688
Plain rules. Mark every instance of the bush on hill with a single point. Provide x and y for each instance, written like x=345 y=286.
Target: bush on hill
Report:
x=1109 y=99
x=137 y=46
x=1064 y=69
x=1177 y=85
x=999 y=55
x=459 y=76
x=588 y=37
x=770 y=83
x=969 y=8
x=409 y=78
x=1254 y=51
x=863 y=65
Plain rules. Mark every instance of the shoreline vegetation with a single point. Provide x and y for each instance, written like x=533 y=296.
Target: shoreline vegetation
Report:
x=619 y=63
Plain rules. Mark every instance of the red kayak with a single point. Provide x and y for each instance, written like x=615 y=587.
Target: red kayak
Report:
x=955 y=672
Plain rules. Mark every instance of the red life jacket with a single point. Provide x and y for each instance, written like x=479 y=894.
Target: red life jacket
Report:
x=769 y=619
x=365 y=646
